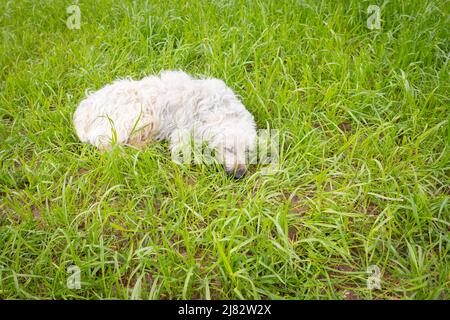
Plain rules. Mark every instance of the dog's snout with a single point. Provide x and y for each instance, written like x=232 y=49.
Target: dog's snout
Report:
x=237 y=171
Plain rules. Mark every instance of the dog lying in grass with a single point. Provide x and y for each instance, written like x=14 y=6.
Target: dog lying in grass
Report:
x=172 y=106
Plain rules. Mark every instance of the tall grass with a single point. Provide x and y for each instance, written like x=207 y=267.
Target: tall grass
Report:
x=364 y=178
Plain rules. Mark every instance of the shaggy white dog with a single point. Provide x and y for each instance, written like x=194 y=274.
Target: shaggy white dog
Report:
x=173 y=106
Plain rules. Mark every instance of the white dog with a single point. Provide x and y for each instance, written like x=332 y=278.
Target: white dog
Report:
x=173 y=106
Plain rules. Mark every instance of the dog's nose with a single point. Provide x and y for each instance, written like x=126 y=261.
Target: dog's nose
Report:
x=237 y=171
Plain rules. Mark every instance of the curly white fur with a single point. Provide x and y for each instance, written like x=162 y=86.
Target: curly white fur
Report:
x=173 y=106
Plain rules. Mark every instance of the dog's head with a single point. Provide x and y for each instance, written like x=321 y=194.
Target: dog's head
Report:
x=236 y=149
x=231 y=126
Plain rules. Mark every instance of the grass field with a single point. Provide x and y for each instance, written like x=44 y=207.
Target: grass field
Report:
x=364 y=153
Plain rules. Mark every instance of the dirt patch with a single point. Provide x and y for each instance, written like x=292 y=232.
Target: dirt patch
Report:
x=82 y=171
x=297 y=206
x=372 y=209
x=344 y=268
x=190 y=181
x=295 y=203
x=81 y=226
x=350 y=295
x=345 y=126
x=182 y=250
x=36 y=213
x=292 y=233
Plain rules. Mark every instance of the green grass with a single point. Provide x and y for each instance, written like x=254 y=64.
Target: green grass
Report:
x=364 y=179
